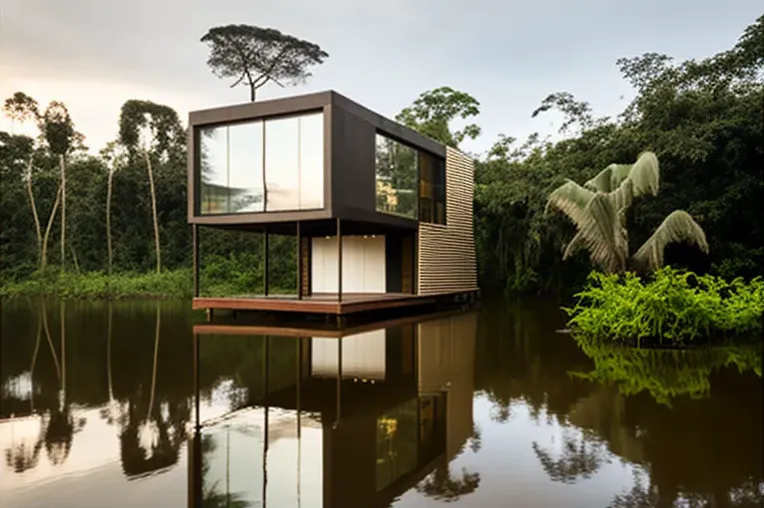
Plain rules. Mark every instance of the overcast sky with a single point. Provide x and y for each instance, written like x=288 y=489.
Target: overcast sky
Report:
x=95 y=54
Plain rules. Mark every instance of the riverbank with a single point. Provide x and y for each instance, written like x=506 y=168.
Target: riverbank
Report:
x=169 y=284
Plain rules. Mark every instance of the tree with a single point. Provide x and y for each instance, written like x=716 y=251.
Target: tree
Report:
x=433 y=112
x=598 y=209
x=147 y=128
x=58 y=130
x=255 y=56
x=20 y=108
x=115 y=157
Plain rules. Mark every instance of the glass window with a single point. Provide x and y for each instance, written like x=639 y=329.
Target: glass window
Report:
x=231 y=164
x=282 y=161
x=439 y=190
x=396 y=178
x=432 y=191
x=426 y=205
x=311 y=161
x=275 y=165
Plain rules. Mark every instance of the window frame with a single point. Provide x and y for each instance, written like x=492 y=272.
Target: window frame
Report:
x=197 y=158
x=438 y=165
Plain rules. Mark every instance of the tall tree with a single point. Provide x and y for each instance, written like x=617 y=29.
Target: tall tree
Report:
x=21 y=108
x=148 y=129
x=115 y=157
x=58 y=130
x=433 y=112
x=255 y=56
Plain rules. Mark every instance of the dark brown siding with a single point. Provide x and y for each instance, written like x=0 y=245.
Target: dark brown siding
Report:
x=446 y=356
x=353 y=153
x=446 y=259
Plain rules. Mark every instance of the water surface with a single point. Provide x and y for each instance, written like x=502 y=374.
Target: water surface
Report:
x=481 y=409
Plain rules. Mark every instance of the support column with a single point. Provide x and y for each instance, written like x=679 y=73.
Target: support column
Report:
x=265 y=262
x=339 y=261
x=197 y=412
x=195 y=231
x=266 y=410
x=299 y=263
x=339 y=383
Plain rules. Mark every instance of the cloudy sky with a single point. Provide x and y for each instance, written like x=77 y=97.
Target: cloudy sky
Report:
x=95 y=54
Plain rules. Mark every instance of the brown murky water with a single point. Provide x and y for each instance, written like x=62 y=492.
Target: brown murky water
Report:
x=492 y=408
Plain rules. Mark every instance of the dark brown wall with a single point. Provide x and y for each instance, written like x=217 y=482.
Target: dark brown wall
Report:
x=353 y=154
x=353 y=160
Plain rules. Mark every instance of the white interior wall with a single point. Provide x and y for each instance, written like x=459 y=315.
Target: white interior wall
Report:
x=363 y=356
x=363 y=264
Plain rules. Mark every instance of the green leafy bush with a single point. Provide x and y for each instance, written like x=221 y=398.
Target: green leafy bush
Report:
x=237 y=274
x=672 y=305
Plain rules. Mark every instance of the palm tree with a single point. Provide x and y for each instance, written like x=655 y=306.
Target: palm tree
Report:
x=598 y=209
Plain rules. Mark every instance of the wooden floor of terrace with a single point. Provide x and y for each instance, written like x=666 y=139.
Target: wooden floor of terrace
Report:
x=324 y=303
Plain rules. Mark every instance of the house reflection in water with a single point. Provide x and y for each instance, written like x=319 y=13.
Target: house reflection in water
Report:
x=351 y=420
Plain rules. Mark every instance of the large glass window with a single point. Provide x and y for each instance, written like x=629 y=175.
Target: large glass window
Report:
x=397 y=178
x=262 y=166
x=409 y=182
x=282 y=157
x=231 y=168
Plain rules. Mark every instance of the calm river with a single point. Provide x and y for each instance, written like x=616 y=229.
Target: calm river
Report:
x=483 y=409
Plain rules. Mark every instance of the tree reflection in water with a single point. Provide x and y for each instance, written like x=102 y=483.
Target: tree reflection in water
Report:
x=152 y=441
x=212 y=497
x=57 y=424
x=581 y=457
x=665 y=436
x=442 y=486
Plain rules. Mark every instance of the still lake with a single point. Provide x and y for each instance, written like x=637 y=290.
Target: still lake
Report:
x=488 y=408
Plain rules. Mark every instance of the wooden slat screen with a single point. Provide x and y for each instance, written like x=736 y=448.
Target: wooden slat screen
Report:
x=446 y=253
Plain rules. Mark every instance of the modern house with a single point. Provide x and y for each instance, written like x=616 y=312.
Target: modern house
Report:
x=382 y=214
x=347 y=419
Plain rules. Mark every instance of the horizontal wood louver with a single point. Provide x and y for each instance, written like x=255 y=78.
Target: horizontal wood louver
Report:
x=446 y=253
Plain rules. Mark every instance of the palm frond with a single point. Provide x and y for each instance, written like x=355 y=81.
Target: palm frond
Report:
x=623 y=196
x=644 y=174
x=609 y=178
x=574 y=246
x=571 y=199
x=602 y=234
x=679 y=226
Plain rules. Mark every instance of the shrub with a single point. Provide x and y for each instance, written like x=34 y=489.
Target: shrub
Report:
x=675 y=305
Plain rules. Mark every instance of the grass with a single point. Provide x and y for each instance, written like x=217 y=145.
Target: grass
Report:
x=169 y=284
x=672 y=306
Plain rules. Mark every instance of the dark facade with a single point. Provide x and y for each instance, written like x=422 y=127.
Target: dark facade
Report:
x=377 y=208
x=348 y=163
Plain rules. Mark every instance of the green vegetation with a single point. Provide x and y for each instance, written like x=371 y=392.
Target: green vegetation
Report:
x=123 y=210
x=599 y=211
x=222 y=276
x=676 y=306
x=664 y=374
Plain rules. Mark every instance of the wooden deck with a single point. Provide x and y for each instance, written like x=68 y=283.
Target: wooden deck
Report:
x=316 y=304
x=316 y=329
